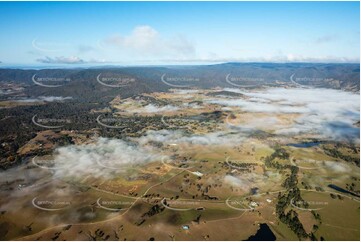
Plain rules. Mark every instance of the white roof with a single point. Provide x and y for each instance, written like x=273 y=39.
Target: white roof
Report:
x=197 y=173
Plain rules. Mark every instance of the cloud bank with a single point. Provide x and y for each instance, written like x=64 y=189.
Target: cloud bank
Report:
x=330 y=113
x=61 y=60
x=45 y=99
x=151 y=108
x=100 y=159
x=179 y=137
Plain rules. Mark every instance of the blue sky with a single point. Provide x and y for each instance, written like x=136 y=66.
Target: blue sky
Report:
x=131 y=33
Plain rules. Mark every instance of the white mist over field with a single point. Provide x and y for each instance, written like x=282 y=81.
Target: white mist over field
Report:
x=330 y=114
x=171 y=137
x=151 y=108
x=327 y=112
x=101 y=158
x=44 y=99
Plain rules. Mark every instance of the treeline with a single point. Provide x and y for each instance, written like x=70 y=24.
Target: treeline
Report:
x=293 y=193
x=337 y=154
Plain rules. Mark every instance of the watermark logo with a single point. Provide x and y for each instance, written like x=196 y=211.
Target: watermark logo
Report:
x=40 y=81
x=42 y=122
x=104 y=165
x=228 y=163
x=105 y=204
x=50 y=205
x=313 y=80
x=303 y=205
x=179 y=82
x=168 y=122
x=244 y=82
x=103 y=121
x=296 y=80
x=114 y=81
x=236 y=205
x=49 y=46
x=313 y=162
x=47 y=164
x=169 y=203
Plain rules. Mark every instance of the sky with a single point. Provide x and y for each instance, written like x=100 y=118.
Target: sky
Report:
x=153 y=33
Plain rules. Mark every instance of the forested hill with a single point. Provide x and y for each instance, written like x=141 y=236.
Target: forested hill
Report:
x=83 y=82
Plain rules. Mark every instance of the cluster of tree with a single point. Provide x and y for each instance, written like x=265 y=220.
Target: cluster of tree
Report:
x=306 y=185
x=338 y=154
x=202 y=190
x=352 y=187
x=56 y=236
x=334 y=196
x=284 y=200
x=291 y=217
x=316 y=215
x=279 y=153
x=17 y=128
x=242 y=165
x=155 y=209
x=291 y=181
x=197 y=220
x=98 y=235
x=293 y=193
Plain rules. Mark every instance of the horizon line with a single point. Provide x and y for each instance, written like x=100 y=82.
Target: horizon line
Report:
x=89 y=65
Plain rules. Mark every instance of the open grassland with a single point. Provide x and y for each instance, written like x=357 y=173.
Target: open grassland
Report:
x=219 y=171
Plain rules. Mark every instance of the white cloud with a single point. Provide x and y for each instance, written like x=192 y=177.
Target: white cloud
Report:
x=179 y=137
x=258 y=106
x=145 y=41
x=247 y=181
x=45 y=99
x=337 y=166
x=61 y=60
x=100 y=159
x=288 y=58
x=68 y=60
x=143 y=38
x=145 y=45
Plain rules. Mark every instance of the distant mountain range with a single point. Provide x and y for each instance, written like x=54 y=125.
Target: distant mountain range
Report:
x=98 y=83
